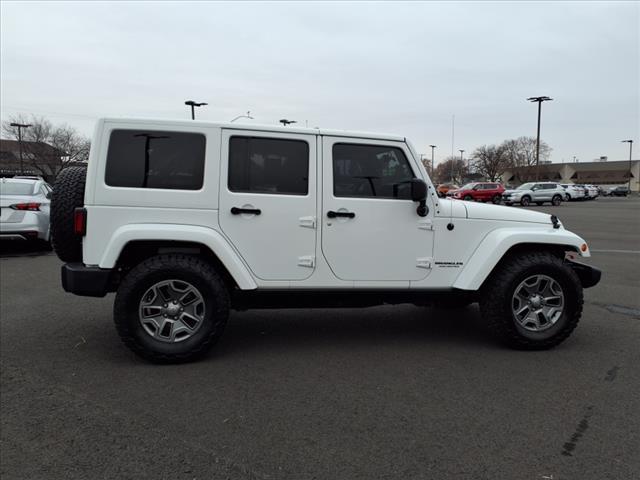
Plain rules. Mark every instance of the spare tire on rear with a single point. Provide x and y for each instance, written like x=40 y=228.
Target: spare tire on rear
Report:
x=67 y=195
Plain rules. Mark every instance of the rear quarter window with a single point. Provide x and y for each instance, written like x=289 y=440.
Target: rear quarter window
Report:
x=155 y=159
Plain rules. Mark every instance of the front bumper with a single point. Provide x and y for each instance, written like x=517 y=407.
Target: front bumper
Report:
x=588 y=275
x=86 y=281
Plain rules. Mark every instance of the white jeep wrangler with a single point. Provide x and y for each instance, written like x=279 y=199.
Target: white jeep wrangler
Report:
x=186 y=220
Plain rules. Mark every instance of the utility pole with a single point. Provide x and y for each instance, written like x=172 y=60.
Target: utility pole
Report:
x=432 y=160
x=630 y=142
x=193 y=104
x=539 y=100
x=20 y=126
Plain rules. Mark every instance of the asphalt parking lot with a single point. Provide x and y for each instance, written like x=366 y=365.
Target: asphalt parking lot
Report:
x=397 y=392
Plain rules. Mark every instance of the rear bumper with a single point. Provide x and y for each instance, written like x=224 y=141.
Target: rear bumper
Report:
x=588 y=275
x=86 y=281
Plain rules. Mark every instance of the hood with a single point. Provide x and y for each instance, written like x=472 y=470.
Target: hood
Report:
x=483 y=211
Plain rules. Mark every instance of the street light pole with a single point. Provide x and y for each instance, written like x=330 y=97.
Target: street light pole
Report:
x=539 y=100
x=630 y=142
x=432 y=160
x=286 y=122
x=193 y=104
x=20 y=126
x=462 y=161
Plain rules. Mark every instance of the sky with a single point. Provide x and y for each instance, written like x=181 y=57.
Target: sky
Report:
x=404 y=68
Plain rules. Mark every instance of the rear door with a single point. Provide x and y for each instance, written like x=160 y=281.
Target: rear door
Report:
x=268 y=201
x=370 y=228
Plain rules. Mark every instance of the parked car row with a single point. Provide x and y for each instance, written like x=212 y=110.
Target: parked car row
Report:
x=532 y=192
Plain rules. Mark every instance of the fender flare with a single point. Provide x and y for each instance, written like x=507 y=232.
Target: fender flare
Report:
x=213 y=239
x=494 y=246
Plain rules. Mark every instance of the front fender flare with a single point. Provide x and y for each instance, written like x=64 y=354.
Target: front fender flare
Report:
x=184 y=233
x=499 y=241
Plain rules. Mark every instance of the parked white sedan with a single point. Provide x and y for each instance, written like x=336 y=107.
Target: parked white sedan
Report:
x=24 y=209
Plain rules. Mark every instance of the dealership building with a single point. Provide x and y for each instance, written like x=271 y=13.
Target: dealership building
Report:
x=601 y=172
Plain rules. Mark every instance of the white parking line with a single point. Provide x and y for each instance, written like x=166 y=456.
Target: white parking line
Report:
x=636 y=252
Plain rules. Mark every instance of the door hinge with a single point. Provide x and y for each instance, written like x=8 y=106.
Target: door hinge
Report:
x=423 y=262
x=307 y=222
x=425 y=224
x=308 y=261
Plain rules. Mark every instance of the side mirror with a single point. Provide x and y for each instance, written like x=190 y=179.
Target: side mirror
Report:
x=418 y=190
x=419 y=194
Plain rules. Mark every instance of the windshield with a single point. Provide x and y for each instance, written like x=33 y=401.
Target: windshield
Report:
x=468 y=186
x=16 y=188
x=526 y=186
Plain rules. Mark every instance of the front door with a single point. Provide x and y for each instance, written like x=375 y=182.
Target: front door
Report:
x=268 y=201
x=370 y=228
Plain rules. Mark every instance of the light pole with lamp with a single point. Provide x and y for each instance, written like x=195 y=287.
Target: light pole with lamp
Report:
x=539 y=100
x=20 y=126
x=630 y=142
x=193 y=104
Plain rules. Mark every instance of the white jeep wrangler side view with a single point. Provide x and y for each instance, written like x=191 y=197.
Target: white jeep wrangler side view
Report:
x=186 y=220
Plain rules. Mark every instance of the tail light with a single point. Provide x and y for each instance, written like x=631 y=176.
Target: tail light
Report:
x=31 y=206
x=80 y=221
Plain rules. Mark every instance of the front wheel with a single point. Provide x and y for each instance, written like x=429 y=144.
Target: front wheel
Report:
x=171 y=308
x=556 y=200
x=468 y=198
x=532 y=301
x=525 y=201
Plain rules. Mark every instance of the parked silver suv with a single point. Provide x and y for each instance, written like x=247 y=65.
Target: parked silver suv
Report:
x=538 y=192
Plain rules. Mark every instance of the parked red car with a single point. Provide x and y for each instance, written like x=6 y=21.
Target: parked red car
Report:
x=479 y=191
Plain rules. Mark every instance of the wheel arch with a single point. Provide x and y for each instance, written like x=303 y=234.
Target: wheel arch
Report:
x=131 y=244
x=503 y=243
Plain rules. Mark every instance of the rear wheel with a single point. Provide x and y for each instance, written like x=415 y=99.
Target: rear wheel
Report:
x=525 y=201
x=556 y=200
x=171 y=308
x=532 y=301
x=67 y=195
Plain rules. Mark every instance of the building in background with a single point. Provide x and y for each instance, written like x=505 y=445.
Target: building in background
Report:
x=595 y=173
x=38 y=158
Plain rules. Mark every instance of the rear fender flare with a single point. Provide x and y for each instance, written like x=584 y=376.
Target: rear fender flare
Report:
x=184 y=233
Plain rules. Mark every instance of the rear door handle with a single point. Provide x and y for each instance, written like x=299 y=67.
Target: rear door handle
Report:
x=332 y=214
x=238 y=211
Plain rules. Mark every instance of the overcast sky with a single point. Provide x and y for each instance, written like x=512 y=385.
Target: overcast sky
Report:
x=385 y=67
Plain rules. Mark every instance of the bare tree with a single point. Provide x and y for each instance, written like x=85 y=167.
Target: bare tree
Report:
x=491 y=161
x=521 y=151
x=451 y=170
x=48 y=148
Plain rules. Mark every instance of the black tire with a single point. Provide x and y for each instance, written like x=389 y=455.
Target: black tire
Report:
x=525 y=201
x=496 y=199
x=189 y=269
x=539 y=203
x=556 y=200
x=468 y=198
x=497 y=293
x=67 y=195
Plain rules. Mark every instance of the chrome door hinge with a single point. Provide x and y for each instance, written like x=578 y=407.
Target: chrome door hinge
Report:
x=307 y=222
x=308 y=261
x=423 y=262
x=425 y=224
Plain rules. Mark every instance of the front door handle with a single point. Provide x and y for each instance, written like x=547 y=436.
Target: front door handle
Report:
x=332 y=214
x=238 y=211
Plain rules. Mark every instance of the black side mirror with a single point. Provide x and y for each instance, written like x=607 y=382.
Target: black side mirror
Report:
x=418 y=190
x=419 y=194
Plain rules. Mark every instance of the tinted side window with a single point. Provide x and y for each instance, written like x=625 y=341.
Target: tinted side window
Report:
x=268 y=165
x=370 y=171
x=155 y=159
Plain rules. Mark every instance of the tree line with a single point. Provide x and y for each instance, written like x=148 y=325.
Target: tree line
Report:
x=490 y=162
x=68 y=145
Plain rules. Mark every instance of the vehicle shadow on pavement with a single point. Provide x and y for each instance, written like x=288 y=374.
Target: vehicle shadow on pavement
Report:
x=376 y=326
x=16 y=248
